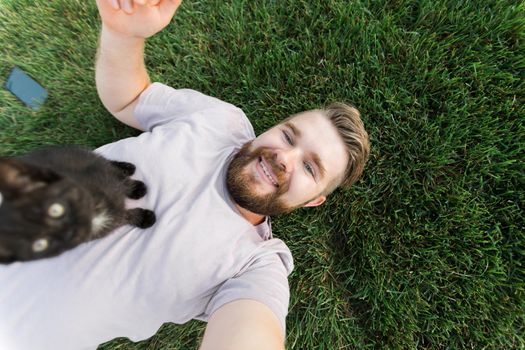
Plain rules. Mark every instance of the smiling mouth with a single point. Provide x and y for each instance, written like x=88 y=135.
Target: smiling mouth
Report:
x=267 y=172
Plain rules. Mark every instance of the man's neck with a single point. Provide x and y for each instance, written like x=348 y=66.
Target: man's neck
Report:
x=253 y=218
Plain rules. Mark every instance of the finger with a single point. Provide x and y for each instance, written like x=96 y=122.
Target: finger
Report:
x=153 y=2
x=115 y=4
x=141 y=2
x=127 y=6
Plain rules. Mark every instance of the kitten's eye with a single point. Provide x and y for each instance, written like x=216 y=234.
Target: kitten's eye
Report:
x=40 y=245
x=56 y=210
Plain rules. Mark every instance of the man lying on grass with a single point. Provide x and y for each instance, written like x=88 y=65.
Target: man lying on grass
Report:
x=212 y=184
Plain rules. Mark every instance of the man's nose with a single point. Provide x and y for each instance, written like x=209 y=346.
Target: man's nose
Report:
x=286 y=159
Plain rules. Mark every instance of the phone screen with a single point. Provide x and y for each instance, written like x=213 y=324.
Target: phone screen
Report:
x=25 y=88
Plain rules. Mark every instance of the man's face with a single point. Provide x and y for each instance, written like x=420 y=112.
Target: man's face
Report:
x=288 y=166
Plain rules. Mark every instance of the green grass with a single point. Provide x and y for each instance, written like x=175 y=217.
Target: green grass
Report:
x=427 y=251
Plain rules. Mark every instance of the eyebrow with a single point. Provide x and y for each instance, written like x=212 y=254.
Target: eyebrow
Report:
x=315 y=157
x=296 y=131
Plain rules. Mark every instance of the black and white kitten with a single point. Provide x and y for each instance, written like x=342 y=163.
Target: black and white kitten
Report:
x=52 y=200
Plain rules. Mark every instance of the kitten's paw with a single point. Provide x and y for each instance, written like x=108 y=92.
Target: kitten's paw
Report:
x=126 y=168
x=148 y=219
x=137 y=189
x=142 y=218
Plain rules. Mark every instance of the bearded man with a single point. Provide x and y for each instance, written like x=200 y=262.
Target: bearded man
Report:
x=213 y=186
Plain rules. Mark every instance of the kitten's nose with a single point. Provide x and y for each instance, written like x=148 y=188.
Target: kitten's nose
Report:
x=69 y=235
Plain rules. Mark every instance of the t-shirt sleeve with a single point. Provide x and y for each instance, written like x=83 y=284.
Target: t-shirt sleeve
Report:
x=159 y=104
x=265 y=281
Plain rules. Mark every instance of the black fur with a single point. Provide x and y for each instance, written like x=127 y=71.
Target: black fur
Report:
x=35 y=188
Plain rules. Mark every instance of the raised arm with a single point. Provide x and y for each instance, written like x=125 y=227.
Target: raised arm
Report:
x=121 y=75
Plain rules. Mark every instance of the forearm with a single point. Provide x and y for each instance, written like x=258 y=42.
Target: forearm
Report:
x=120 y=71
x=243 y=324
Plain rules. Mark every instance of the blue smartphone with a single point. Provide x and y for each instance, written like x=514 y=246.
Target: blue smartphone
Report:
x=25 y=88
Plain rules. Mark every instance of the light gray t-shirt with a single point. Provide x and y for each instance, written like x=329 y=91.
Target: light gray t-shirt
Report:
x=200 y=254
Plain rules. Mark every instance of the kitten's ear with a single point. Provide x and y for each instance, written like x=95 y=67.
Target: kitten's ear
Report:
x=18 y=177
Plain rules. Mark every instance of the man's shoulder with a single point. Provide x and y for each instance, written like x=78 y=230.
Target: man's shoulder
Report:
x=160 y=104
x=275 y=251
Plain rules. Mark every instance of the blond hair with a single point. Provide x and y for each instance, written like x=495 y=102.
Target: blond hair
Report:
x=347 y=121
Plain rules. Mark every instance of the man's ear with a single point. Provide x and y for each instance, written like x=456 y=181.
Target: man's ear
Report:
x=315 y=202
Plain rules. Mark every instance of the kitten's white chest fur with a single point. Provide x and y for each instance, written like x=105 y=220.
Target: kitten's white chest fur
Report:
x=99 y=222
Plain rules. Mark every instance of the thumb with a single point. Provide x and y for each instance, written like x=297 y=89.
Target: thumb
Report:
x=168 y=7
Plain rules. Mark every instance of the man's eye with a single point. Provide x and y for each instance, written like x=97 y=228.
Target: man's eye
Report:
x=288 y=138
x=309 y=168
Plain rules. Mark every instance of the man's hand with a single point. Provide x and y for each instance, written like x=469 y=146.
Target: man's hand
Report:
x=120 y=72
x=137 y=18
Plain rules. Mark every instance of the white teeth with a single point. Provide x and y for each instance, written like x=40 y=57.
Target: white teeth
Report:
x=268 y=173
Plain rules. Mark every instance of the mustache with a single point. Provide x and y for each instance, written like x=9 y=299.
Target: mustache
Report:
x=241 y=183
x=269 y=157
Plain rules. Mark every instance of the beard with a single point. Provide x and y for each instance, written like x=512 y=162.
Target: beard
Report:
x=241 y=184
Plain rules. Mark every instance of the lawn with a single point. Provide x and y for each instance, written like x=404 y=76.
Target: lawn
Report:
x=427 y=250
